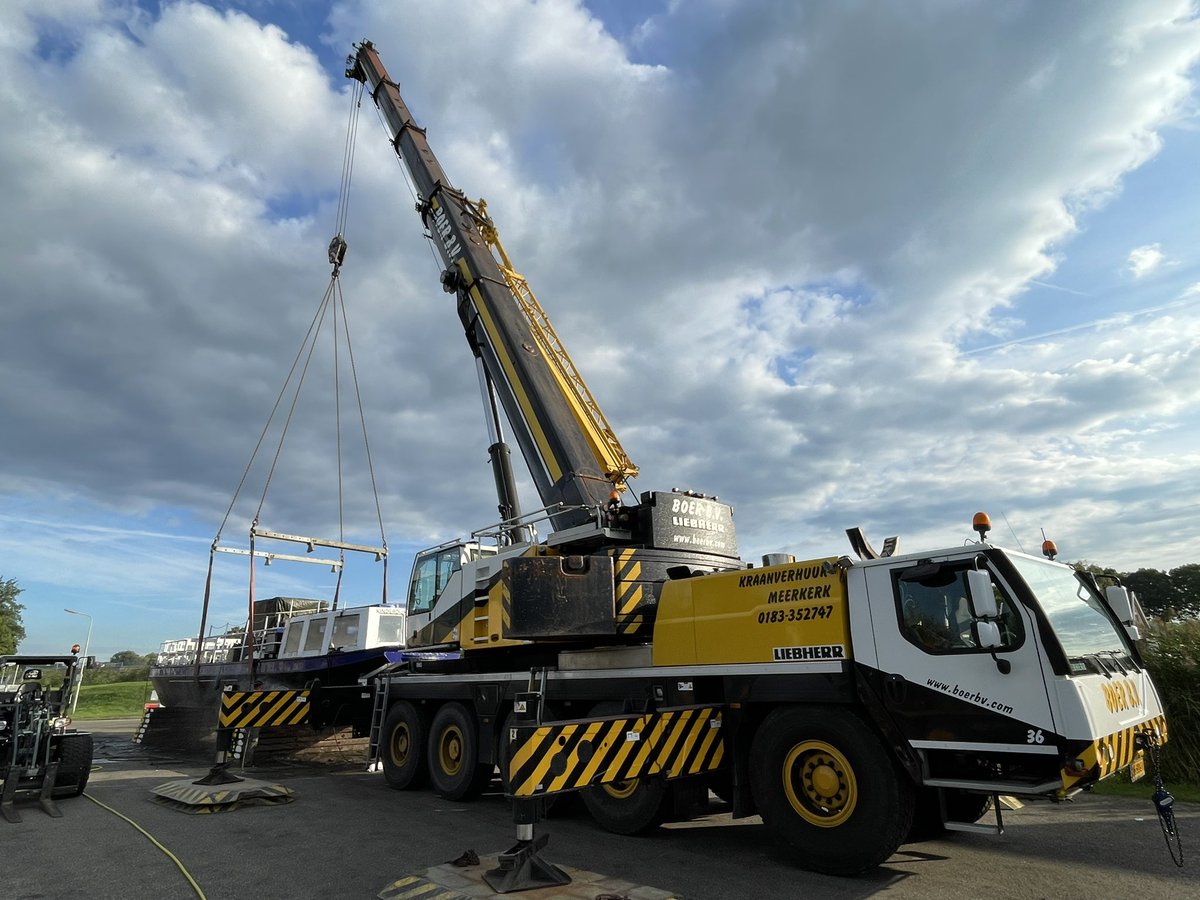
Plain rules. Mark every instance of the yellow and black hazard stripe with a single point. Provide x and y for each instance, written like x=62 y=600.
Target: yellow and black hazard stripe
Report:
x=1113 y=752
x=1117 y=750
x=631 y=592
x=566 y=756
x=411 y=887
x=259 y=709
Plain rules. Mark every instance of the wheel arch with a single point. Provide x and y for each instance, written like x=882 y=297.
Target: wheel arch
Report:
x=745 y=720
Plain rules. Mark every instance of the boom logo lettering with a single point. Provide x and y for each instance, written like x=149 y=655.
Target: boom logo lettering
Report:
x=441 y=224
x=1121 y=695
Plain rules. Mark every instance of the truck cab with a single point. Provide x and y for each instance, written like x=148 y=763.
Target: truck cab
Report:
x=1046 y=705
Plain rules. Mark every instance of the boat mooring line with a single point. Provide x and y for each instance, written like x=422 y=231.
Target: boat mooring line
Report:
x=155 y=841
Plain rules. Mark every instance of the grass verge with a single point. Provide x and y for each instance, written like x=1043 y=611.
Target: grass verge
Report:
x=1119 y=786
x=119 y=700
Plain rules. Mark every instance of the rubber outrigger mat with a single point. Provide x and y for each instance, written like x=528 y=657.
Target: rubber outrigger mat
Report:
x=199 y=799
x=454 y=881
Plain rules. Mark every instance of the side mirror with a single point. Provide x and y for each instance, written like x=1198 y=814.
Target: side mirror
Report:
x=987 y=634
x=980 y=595
x=1118 y=600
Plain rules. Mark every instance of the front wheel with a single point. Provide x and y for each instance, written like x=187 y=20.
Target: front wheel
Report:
x=403 y=750
x=74 y=765
x=829 y=789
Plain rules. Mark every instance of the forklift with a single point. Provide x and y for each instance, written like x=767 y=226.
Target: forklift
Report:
x=41 y=756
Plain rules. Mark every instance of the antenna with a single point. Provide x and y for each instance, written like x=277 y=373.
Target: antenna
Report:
x=1016 y=539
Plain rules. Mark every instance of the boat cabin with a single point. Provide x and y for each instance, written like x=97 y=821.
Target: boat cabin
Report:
x=341 y=631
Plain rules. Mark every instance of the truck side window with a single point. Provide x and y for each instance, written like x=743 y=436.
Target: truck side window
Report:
x=449 y=562
x=424 y=585
x=935 y=615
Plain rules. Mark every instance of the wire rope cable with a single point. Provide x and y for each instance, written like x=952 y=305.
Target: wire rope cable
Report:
x=332 y=304
x=412 y=189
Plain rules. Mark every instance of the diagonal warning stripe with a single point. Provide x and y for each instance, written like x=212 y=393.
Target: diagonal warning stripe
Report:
x=565 y=756
x=413 y=886
x=257 y=709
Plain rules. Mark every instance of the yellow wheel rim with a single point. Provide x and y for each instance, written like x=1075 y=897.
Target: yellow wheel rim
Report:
x=621 y=789
x=820 y=784
x=450 y=750
x=400 y=744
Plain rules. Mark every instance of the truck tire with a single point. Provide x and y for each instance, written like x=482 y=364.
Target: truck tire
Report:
x=626 y=807
x=454 y=766
x=74 y=765
x=403 y=747
x=829 y=789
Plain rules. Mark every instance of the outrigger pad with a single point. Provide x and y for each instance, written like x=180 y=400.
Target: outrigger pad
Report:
x=522 y=868
x=198 y=799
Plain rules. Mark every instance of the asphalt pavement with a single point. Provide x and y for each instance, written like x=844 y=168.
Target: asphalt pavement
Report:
x=346 y=834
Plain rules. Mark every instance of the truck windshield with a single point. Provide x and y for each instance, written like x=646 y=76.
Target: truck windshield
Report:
x=1076 y=614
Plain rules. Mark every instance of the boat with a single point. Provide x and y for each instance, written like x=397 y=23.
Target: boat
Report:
x=297 y=644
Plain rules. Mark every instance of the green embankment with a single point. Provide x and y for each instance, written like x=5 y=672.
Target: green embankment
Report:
x=1143 y=789
x=119 y=700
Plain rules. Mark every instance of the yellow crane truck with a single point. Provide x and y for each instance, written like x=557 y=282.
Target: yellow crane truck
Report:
x=631 y=654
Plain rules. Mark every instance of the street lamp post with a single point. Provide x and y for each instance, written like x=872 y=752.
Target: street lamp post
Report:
x=86 y=645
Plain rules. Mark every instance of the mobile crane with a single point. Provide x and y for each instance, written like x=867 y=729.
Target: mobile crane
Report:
x=632 y=656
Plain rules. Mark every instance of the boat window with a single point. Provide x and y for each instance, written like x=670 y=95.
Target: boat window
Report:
x=315 y=639
x=391 y=630
x=291 y=640
x=345 y=631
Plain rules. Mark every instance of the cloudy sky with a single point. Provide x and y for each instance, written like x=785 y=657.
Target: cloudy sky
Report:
x=878 y=264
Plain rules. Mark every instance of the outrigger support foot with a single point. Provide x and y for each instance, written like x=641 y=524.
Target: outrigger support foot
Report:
x=219 y=774
x=521 y=867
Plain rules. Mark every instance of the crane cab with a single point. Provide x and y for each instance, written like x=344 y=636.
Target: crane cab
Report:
x=437 y=588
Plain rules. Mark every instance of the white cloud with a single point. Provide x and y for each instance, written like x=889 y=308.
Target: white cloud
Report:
x=764 y=239
x=1144 y=260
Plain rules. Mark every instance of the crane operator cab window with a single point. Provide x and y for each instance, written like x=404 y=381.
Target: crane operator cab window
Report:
x=431 y=573
x=935 y=615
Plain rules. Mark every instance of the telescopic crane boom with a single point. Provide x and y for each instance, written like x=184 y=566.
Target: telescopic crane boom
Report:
x=574 y=458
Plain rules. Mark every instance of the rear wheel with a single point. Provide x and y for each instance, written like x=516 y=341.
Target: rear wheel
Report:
x=403 y=750
x=454 y=753
x=74 y=765
x=829 y=790
x=626 y=807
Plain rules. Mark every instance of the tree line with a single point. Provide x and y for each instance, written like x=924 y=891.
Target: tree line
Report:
x=1168 y=595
